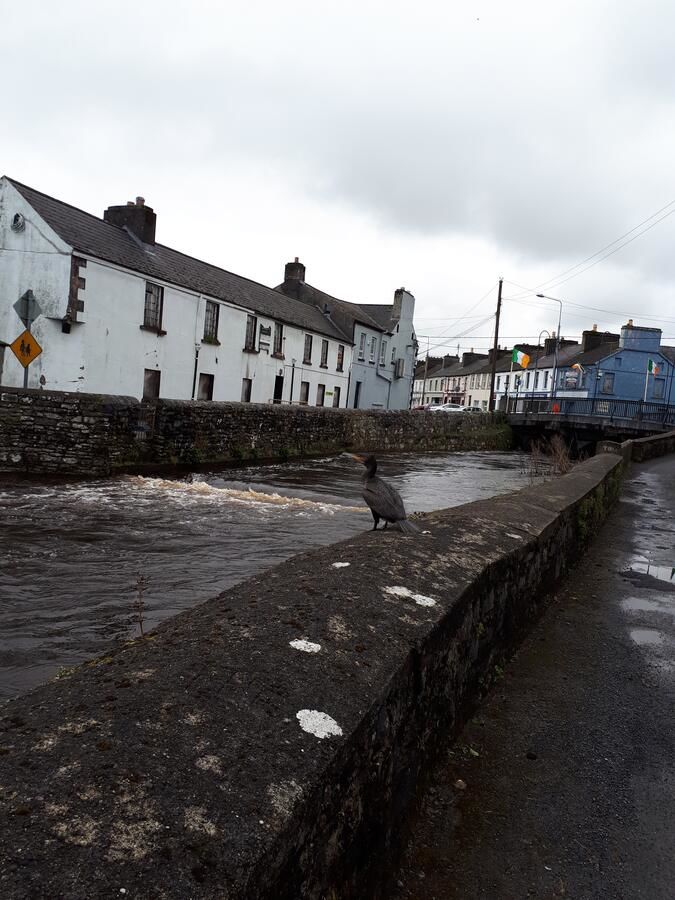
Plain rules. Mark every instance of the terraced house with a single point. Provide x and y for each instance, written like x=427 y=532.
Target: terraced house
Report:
x=115 y=312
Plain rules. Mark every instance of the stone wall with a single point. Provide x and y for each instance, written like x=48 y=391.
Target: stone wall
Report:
x=73 y=433
x=648 y=448
x=268 y=743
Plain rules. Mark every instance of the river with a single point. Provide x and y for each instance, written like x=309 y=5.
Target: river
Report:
x=71 y=553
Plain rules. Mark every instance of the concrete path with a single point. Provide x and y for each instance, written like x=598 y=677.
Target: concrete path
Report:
x=563 y=784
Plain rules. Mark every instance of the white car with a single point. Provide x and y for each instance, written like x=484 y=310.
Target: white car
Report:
x=447 y=407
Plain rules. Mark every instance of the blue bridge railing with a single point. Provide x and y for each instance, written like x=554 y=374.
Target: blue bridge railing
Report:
x=624 y=411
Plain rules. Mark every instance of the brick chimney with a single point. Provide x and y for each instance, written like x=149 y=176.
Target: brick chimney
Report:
x=403 y=306
x=294 y=271
x=136 y=216
x=594 y=338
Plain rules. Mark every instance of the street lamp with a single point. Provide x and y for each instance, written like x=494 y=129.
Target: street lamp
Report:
x=557 y=342
x=536 y=362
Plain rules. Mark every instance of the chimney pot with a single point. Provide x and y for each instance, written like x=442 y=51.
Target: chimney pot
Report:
x=595 y=327
x=140 y=201
x=630 y=323
x=130 y=203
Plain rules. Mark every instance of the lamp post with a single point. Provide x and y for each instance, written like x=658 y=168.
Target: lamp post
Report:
x=536 y=362
x=557 y=342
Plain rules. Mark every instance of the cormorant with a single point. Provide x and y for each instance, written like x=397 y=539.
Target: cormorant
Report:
x=384 y=502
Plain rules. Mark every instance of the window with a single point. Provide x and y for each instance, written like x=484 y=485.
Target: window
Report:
x=154 y=306
x=393 y=351
x=307 y=357
x=362 y=347
x=527 y=379
x=151 y=379
x=659 y=388
x=304 y=391
x=536 y=380
x=205 y=391
x=340 y=357
x=545 y=379
x=278 y=339
x=211 y=322
x=383 y=353
x=608 y=383
x=357 y=394
x=251 y=330
x=373 y=344
x=324 y=354
x=336 y=396
x=246 y=385
x=320 y=394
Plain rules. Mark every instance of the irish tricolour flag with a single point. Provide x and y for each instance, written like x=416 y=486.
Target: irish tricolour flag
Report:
x=653 y=367
x=521 y=358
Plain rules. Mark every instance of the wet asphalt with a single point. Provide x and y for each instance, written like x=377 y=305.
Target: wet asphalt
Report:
x=563 y=782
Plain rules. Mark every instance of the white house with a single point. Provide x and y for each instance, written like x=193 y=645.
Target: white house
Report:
x=385 y=344
x=121 y=314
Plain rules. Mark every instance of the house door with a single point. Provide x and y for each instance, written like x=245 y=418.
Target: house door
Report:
x=357 y=394
x=278 y=388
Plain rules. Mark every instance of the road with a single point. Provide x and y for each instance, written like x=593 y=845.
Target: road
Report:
x=572 y=791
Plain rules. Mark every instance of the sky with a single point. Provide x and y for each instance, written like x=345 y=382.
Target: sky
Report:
x=436 y=146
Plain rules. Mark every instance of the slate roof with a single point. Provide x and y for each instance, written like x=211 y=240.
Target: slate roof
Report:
x=380 y=313
x=343 y=314
x=92 y=236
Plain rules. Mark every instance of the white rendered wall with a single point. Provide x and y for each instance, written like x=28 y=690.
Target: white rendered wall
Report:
x=34 y=259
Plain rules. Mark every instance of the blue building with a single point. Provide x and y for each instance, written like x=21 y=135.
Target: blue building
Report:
x=639 y=368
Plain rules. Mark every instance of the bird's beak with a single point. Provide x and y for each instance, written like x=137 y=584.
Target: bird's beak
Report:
x=357 y=458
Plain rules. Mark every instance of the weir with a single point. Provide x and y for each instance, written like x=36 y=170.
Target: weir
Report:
x=268 y=743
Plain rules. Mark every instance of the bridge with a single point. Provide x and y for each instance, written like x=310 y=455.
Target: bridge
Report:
x=590 y=419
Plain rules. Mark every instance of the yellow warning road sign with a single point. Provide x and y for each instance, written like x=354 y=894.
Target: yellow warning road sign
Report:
x=26 y=348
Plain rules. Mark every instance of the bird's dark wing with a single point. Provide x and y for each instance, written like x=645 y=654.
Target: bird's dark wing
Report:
x=383 y=499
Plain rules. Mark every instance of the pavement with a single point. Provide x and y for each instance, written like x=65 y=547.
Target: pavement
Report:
x=563 y=782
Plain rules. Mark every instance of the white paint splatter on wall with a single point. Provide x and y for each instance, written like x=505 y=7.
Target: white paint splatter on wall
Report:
x=340 y=565
x=305 y=646
x=320 y=724
x=420 y=599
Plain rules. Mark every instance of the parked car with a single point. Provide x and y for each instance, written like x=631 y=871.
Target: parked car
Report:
x=472 y=409
x=447 y=407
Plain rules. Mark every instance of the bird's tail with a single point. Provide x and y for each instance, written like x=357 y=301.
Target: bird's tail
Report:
x=408 y=527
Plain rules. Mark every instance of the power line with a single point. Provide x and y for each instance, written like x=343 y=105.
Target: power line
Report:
x=609 y=312
x=558 y=280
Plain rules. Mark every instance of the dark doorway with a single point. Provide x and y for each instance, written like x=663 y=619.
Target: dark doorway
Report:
x=357 y=394
x=205 y=391
x=278 y=388
x=151 y=378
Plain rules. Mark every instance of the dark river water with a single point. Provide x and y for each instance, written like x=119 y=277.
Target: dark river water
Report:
x=71 y=553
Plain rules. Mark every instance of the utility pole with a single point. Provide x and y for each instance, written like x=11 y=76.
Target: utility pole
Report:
x=493 y=374
x=426 y=369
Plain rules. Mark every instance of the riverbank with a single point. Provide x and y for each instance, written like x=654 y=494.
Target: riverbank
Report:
x=46 y=432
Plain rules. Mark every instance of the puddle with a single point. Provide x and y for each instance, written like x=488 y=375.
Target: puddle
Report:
x=639 y=604
x=663 y=573
x=644 y=636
